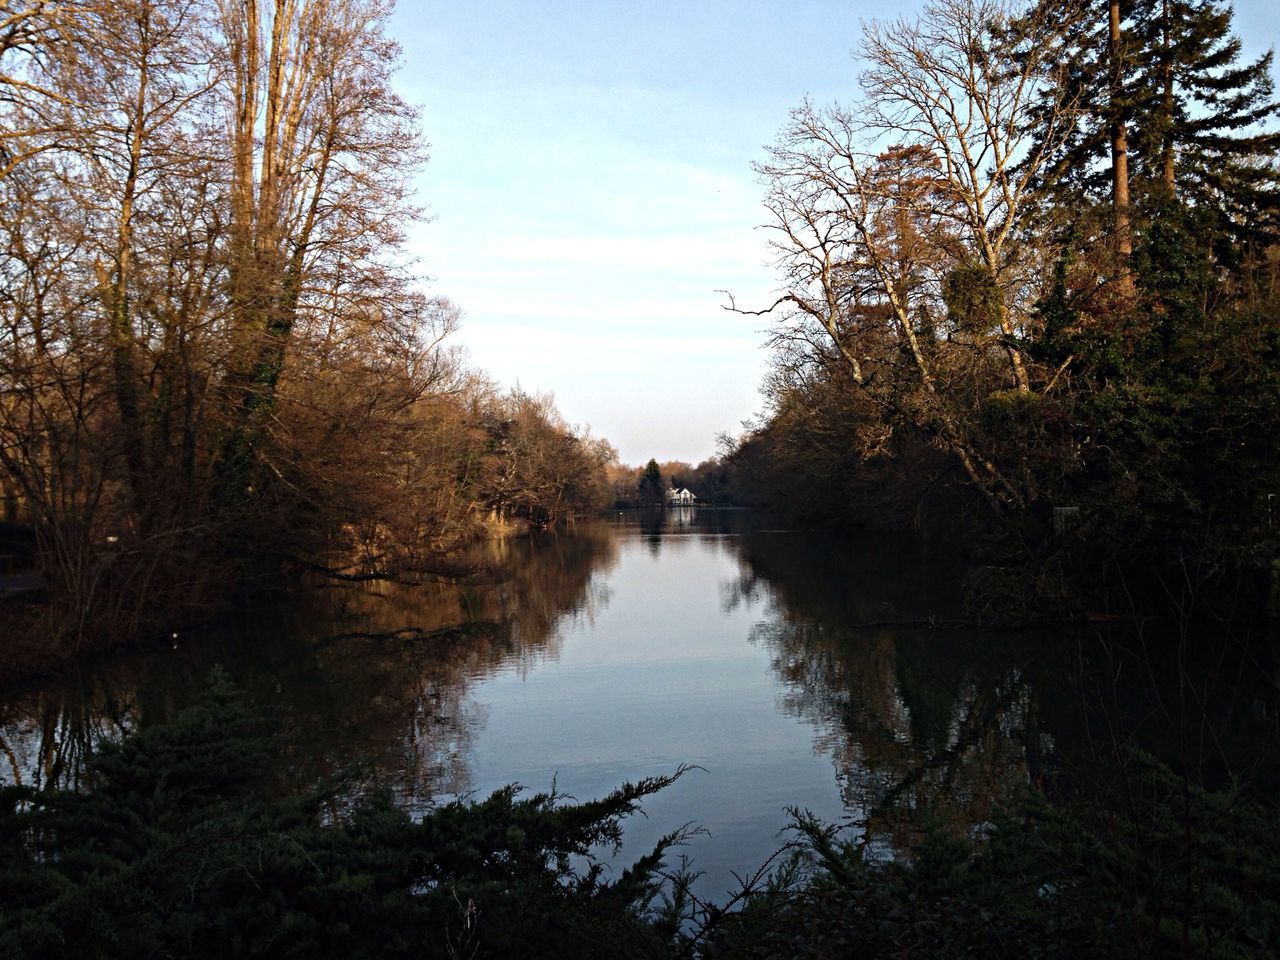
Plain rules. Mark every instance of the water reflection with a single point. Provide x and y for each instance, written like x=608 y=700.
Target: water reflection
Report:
x=796 y=669
x=931 y=726
x=375 y=680
x=921 y=725
x=46 y=736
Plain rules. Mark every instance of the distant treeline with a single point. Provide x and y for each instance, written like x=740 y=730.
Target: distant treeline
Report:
x=215 y=358
x=1031 y=282
x=649 y=485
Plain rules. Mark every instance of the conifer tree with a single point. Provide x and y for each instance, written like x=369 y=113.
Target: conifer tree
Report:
x=1089 y=165
x=1169 y=97
x=1203 y=130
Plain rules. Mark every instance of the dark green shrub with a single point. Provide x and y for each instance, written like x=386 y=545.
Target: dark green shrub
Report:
x=177 y=850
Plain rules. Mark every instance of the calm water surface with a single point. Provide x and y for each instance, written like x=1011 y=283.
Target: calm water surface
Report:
x=790 y=669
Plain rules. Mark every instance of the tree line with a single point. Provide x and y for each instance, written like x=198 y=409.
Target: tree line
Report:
x=1029 y=290
x=648 y=486
x=216 y=355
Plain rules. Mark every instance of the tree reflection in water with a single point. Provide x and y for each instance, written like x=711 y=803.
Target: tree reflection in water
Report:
x=370 y=682
x=923 y=726
x=47 y=734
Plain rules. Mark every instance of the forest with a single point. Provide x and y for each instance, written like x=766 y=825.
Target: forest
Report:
x=1029 y=301
x=218 y=362
x=1027 y=309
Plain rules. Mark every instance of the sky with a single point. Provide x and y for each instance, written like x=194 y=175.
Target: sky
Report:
x=591 y=193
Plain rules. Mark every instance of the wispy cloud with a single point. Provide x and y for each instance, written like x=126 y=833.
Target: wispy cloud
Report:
x=585 y=227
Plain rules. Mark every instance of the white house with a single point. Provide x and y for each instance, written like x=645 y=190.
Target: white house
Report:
x=680 y=497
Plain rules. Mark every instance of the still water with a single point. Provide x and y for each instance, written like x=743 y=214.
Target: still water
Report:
x=788 y=669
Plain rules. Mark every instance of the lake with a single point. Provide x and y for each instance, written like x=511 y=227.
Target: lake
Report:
x=786 y=668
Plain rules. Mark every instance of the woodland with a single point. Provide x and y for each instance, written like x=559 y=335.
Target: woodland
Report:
x=1028 y=306
x=217 y=362
x=1030 y=301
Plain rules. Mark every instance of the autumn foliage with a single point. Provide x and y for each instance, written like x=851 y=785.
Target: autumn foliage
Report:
x=216 y=359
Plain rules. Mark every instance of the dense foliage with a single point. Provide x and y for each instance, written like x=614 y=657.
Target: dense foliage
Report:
x=1031 y=288
x=180 y=848
x=1166 y=870
x=215 y=355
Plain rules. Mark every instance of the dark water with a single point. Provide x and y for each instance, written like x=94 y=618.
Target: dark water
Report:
x=793 y=669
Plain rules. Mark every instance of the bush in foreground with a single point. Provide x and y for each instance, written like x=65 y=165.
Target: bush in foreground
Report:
x=182 y=846
x=177 y=849
x=1159 y=869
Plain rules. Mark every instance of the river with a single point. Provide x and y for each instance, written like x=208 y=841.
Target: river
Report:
x=786 y=668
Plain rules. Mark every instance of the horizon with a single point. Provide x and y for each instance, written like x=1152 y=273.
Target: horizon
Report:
x=591 y=195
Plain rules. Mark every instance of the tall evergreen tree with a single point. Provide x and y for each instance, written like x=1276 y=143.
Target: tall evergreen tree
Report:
x=1090 y=167
x=650 y=489
x=1203 y=130
x=1159 y=87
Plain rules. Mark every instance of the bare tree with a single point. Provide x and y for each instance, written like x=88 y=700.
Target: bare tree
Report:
x=321 y=148
x=878 y=209
x=40 y=46
x=131 y=163
x=853 y=247
x=963 y=86
x=190 y=187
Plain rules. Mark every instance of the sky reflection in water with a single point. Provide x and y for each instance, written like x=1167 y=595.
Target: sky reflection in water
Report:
x=792 y=669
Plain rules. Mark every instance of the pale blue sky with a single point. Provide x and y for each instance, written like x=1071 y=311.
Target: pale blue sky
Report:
x=591 y=187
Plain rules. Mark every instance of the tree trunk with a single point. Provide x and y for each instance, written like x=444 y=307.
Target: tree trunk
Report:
x=1166 y=139
x=1120 y=158
x=128 y=395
